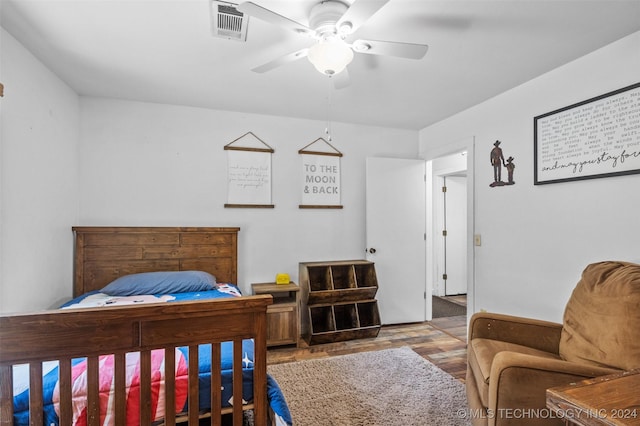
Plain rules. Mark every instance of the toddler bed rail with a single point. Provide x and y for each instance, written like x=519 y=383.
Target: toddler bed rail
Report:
x=66 y=335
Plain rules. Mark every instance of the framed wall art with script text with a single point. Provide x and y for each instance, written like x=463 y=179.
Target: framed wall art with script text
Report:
x=599 y=137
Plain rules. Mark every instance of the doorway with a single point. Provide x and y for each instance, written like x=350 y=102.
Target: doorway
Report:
x=423 y=236
x=450 y=262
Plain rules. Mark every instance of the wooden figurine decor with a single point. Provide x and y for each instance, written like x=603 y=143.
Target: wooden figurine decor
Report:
x=498 y=161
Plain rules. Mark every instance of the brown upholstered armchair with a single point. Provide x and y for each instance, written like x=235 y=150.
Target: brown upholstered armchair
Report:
x=513 y=360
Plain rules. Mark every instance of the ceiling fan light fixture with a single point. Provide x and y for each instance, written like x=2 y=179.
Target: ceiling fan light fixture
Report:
x=361 y=46
x=345 y=28
x=330 y=56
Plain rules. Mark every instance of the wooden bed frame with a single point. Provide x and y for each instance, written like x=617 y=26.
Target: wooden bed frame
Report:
x=103 y=254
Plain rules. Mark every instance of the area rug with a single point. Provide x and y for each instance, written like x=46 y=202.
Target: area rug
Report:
x=392 y=387
x=445 y=308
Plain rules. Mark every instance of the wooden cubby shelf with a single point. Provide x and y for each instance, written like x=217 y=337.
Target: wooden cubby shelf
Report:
x=338 y=301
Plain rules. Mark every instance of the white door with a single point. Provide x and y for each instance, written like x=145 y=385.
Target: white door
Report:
x=395 y=234
x=456 y=237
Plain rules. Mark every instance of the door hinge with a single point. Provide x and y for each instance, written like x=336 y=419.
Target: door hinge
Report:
x=444 y=232
x=444 y=276
x=425 y=236
x=425 y=295
x=444 y=189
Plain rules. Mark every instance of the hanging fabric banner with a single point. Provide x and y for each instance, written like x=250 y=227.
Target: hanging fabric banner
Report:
x=320 y=177
x=249 y=174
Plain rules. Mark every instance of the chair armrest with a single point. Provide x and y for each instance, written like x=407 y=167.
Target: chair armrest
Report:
x=511 y=370
x=533 y=333
x=506 y=360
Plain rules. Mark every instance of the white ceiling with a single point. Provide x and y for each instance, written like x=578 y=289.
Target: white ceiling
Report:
x=163 y=51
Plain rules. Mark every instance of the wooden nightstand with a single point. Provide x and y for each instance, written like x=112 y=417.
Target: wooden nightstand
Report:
x=282 y=317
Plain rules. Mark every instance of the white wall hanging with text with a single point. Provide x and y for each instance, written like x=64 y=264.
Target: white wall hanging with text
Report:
x=248 y=172
x=320 y=176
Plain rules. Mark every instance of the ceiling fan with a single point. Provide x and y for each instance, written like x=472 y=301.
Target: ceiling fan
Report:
x=331 y=23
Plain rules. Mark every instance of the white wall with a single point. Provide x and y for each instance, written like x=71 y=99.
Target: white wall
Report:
x=163 y=165
x=38 y=181
x=536 y=240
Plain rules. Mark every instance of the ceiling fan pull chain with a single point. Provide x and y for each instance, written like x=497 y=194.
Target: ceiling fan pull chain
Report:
x=328 y=129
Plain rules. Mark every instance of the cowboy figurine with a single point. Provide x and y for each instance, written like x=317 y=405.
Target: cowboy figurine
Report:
x=510 y=166
x=497 y=160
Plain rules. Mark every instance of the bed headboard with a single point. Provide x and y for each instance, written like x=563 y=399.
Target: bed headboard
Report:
x=103 y=254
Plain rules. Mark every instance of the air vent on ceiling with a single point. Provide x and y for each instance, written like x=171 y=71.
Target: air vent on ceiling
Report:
x=227 y=22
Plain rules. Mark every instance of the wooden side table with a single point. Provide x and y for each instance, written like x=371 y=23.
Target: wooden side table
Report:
x=605 y=400
x=283 y=320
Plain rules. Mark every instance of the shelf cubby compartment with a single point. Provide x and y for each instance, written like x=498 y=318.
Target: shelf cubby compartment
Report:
x=319 y=278
x=346 y=316
x=368 y=314
x=365 y=275
x=343 y=277
x=322 y=319
x=366 y=280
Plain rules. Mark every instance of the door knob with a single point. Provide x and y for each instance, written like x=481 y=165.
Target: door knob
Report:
x=372 y=250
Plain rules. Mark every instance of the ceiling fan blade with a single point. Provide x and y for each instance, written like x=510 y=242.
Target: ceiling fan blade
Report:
x=341 y=80
x=294 y=56
x=390 y=48
x=267 y=15
x=358 y=13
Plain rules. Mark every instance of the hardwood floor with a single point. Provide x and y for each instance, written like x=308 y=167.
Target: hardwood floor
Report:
x=443 y=341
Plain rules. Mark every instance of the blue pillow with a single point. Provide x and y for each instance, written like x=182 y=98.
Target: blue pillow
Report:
x=163 y=282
